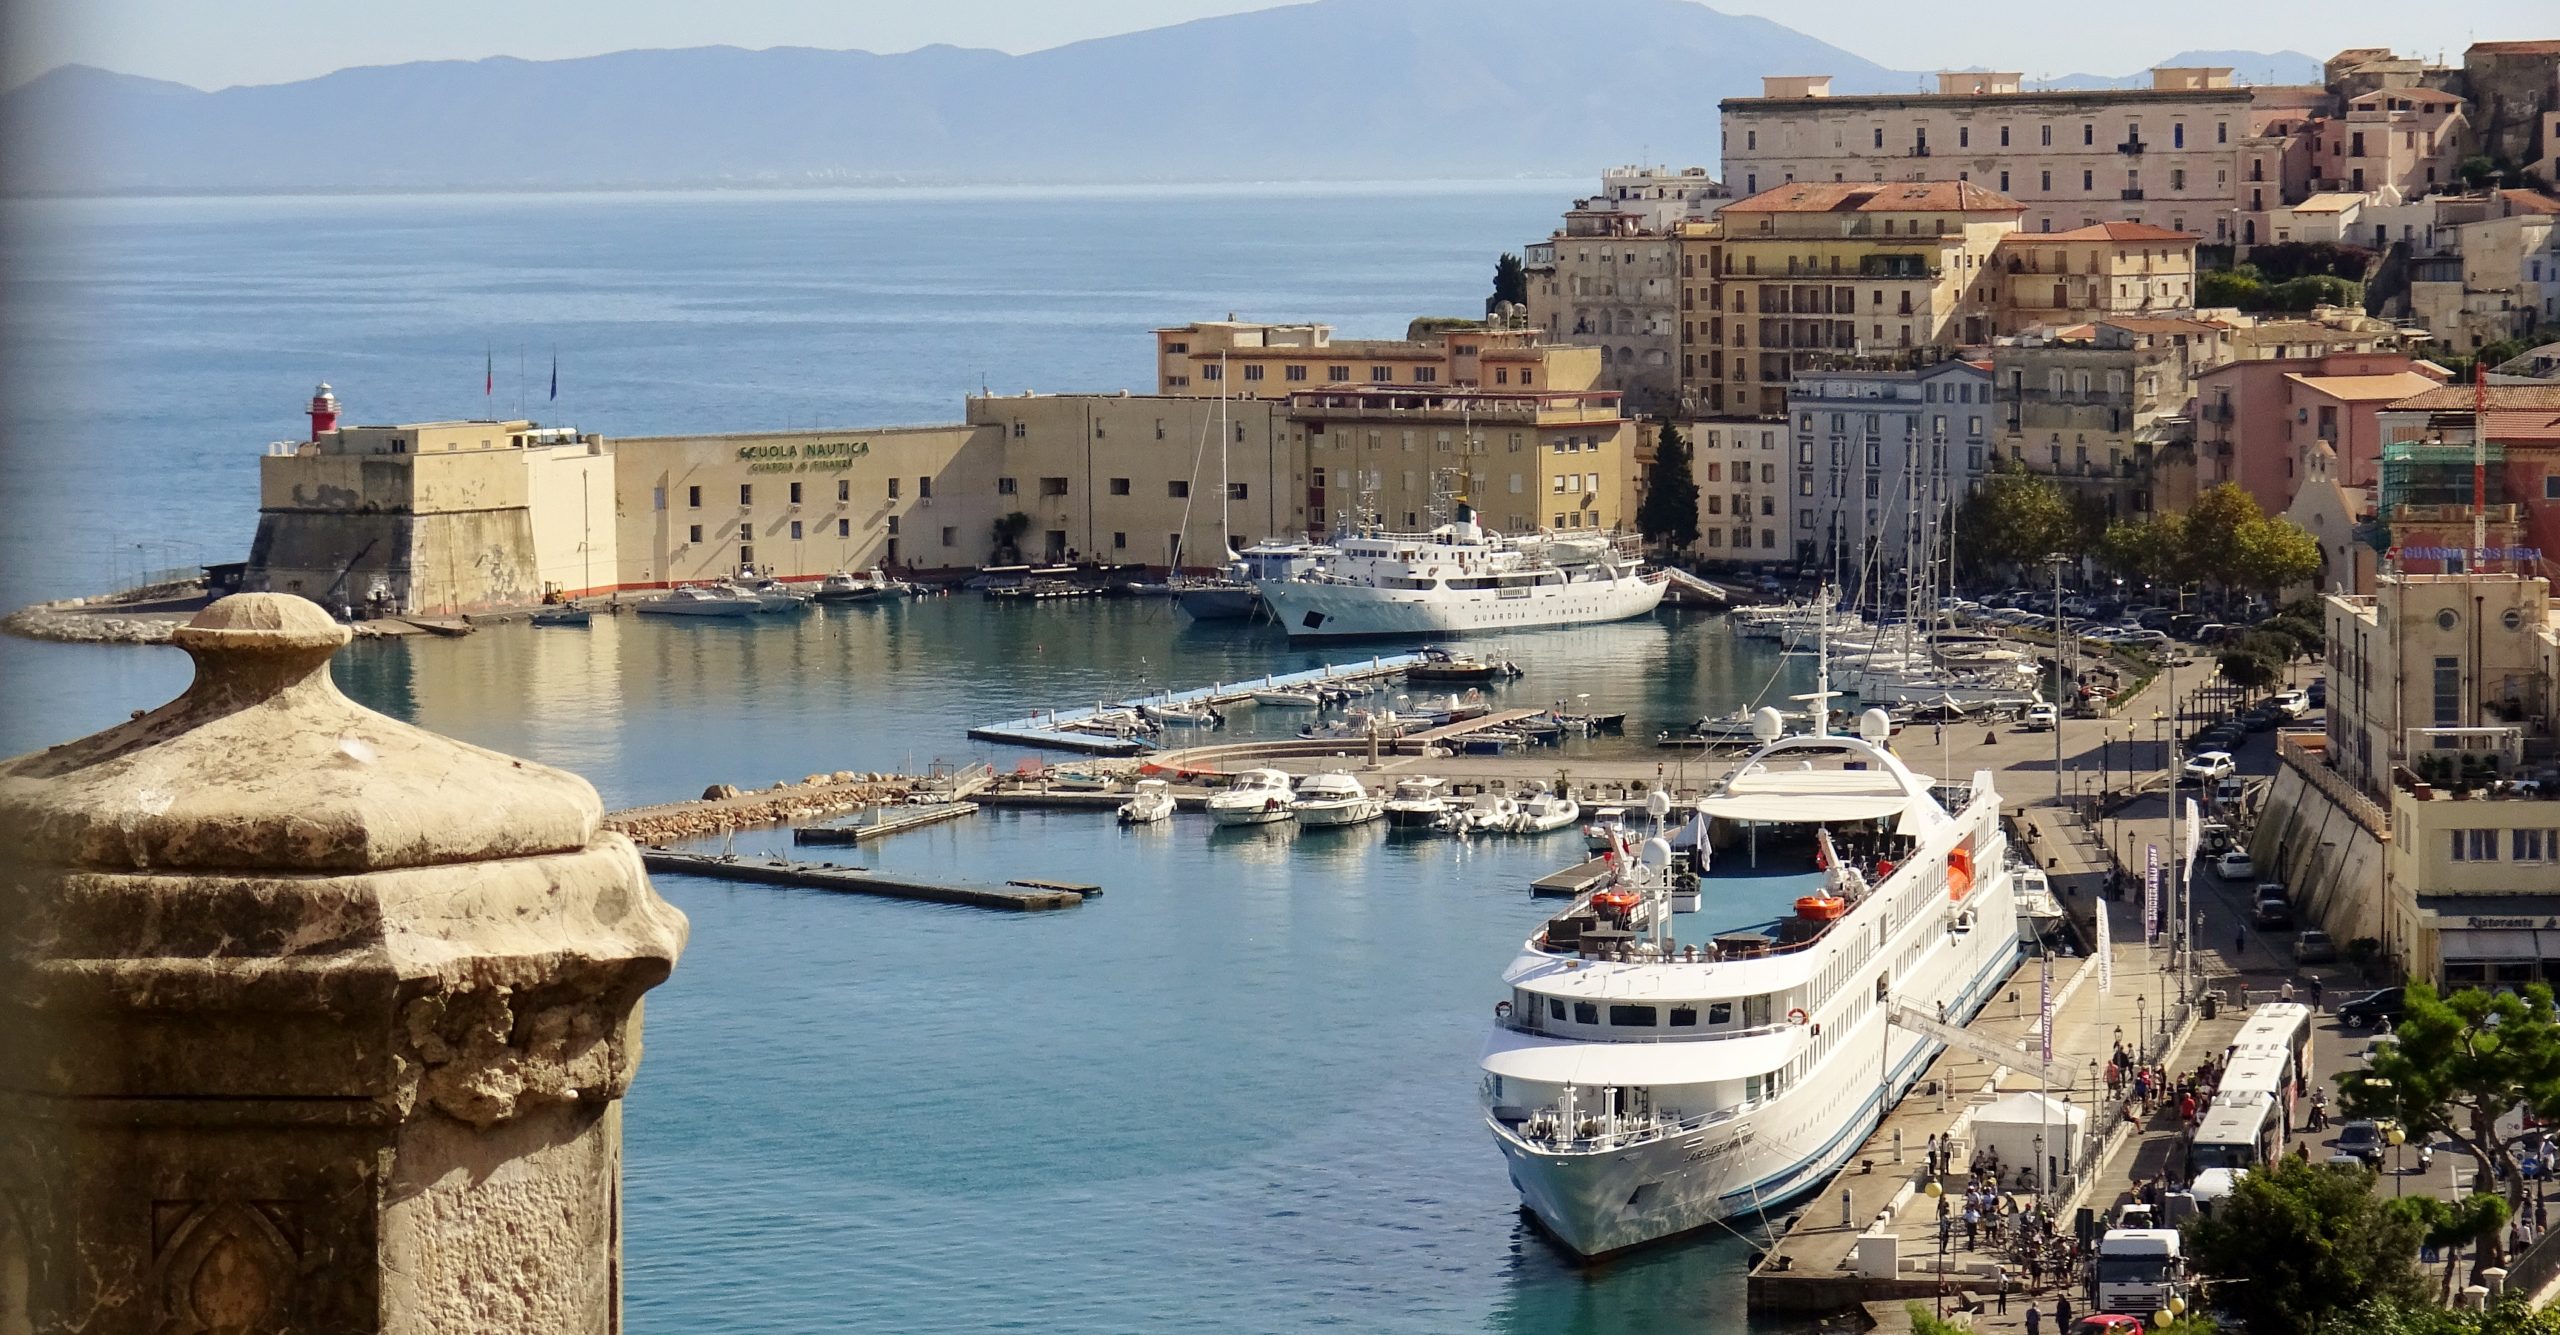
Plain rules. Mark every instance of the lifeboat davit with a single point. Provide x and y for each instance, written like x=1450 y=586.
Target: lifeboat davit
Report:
x=1959 y=873
x=1821 y=908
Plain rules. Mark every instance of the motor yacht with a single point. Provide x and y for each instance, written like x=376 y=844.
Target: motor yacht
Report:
x=1253 y=797
x=1334 y=798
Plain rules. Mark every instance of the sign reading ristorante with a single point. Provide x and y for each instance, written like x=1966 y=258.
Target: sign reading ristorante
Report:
x=823 y=456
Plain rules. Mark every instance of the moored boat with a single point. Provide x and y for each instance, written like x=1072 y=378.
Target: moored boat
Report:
x=1334 y=798
x=1152 y=802
x=1253 y=797
x=1416 y=800
x=691 y=601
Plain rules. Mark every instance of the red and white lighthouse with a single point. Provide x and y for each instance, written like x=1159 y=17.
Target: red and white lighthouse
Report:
x=324 y=410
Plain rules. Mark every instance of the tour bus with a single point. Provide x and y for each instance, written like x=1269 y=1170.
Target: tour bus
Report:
x=2236 y=1131
x=2285 y=1024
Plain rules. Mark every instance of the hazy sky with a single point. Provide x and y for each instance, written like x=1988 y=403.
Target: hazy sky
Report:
x=215 y=43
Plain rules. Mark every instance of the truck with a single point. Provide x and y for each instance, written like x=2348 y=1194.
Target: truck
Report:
x=2140 y=1269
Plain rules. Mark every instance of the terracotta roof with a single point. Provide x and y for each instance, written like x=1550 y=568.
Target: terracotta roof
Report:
x=2540 y=48
x=2105 y=231
x=1877 y=197
x=2405 y=90
x=2155 y=324
x=2368 y=388
x=2530 y=201
x=2458 y=398
x=2510 y=428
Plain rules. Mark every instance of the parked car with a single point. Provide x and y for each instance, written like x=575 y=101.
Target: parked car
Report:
x=2313 y=946
x=2373 y=1008
x=2273 y=908
x=2107 y=1323
x=2260 y=719
x=2235 y=866
x=2294 y=704
x=2206 y=766
x=2317 y=692
x=2039 y=718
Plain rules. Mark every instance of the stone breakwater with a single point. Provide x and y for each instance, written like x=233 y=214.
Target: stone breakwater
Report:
x=723 y=808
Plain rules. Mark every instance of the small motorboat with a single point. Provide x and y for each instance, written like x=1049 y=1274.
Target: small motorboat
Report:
x=1489 y=742
x=1416 y=801
x=1289 y=699
x=846 y=587
x=1068 y=778
x=690 y=601
x=563 y=614
x=1543 y=812
x=1608 y=826
x=1333 y=799
x=1442 y=666
x=771 y=595
x=1492 y=813
x=1254 y=797
x=1152 y=802
x=1183 y=716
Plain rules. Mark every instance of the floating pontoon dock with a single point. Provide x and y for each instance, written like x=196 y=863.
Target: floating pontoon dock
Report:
x=863 y=881
x=1058 y=728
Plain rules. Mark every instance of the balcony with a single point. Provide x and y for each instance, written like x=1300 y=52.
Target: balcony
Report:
x=1918 y=151
x=2129 y=194
x=2132 y=147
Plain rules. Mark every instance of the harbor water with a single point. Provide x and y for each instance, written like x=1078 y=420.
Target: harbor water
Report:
x=1237 y=1092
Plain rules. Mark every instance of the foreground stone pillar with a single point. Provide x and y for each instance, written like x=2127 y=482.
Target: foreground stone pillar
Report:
x=310 y=1020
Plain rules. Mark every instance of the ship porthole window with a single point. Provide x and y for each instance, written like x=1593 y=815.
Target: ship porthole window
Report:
x=2513 y=620
x=1585 y=1012
x=2446 y=619
x=1684 y=1017
x=1555 y=1009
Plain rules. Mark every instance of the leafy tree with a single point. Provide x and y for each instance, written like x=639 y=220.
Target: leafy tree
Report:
x=2249 y=669
x=2301 y=294
x=2015 y=519
x=1510 y=283
x=1668 y=514
x=2456 y=1065
x=2215 y=531
x=2233 y=287
x=2382 y=1316
x=2297 y=1244
x=2476 y=170
x=2470 y=1222
x=2275 y=554
x=2296 y=259
x=2152 y=550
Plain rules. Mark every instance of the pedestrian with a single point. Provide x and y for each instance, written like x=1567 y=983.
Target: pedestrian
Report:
x=2187 y=1111
x=2062 y=1313
x=1946 y=1230
x=2035 y=1320
x=2239 y=942
x=2317 y=987
x=1972 y=1226
x=2035 y=1280
x=2285 y=993
x=2004 y=1291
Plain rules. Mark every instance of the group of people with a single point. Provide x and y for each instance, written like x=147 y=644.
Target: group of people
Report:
x=2148 y=1084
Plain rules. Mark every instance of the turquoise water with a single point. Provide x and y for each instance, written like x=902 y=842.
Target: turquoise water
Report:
x=1234 y=1093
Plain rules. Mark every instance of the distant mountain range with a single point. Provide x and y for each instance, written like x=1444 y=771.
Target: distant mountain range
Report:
x=1335 y=89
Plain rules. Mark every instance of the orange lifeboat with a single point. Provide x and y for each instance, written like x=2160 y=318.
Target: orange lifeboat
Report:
x=1821 y=908
x=1615 y=899
x=1959 y=873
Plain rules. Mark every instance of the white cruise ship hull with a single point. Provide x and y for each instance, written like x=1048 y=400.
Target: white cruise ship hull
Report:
x=1312 y=609
x=1609 y=1198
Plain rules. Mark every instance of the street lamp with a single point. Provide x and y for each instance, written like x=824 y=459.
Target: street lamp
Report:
x=2397 y=1137
x=2141 y=1027
x=1935 y=1192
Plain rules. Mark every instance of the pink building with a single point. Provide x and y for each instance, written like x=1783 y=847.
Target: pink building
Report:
x=2254 y=417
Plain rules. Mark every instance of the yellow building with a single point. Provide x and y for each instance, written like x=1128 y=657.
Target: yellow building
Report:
x=1401 y=459
x=1796 y=276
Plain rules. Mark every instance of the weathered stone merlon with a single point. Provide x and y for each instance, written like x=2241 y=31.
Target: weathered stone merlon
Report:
x=325 y=1018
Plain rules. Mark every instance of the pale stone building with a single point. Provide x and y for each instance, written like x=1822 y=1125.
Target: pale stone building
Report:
x=1402 y=459
x=1247 y=359
x=2166 y=155
x=1609 y=279
x=1745 y=478
x=2102 y=409
x=1880 y=456
x=2092 y=273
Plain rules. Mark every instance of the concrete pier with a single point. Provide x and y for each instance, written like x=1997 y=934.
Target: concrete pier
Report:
x=1018 y=896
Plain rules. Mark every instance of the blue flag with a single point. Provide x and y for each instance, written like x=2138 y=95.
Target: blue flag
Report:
x=555 y=375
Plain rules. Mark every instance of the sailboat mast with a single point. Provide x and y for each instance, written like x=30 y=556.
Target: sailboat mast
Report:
x=1226 y=530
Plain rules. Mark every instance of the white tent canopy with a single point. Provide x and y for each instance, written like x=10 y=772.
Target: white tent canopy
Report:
x=2008 y=1126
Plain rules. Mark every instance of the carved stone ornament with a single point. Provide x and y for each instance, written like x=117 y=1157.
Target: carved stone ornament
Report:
x=326 y=1016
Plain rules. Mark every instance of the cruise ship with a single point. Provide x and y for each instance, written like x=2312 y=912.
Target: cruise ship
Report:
x=1461 y=577
x=1674 y=1050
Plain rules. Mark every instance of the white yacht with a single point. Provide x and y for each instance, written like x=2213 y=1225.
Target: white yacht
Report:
x=1152 y=802
x=1416 y=800
x=1645 y=1076
x=1544 y=811
x=1334 y=798
x=1461 y=577
x=1607 y=829
x=1253 y=797
x=690 y=601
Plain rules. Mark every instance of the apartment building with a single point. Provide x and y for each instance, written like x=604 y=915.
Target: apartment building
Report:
x=2103 y=409
x=2092 y=273
x=1880 y=456
x=1243 y=359
x=1402 y=458
x=2440 y=700
x=1745 y=478
x=2255 y=416
x=2434 y=503
x=2165 y=155
x=1799 y=276
x=2396 y=137
x=1610 y=279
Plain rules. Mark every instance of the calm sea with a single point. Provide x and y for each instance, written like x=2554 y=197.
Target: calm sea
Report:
x=1236 y=1092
